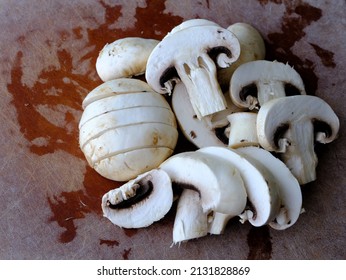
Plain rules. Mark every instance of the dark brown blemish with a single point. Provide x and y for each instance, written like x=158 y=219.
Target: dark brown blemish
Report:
x=259 y=242
x=129 y=232
x=126 y=253
x=327 y=57
x=109 y=243
x=193 y=134
x=296 y=18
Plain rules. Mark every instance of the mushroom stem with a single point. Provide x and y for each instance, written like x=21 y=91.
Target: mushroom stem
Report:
x=299 y=154
x=204 y=91
x=242 y=131
x=218 y=225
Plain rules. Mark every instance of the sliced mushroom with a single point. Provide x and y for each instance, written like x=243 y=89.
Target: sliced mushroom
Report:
x=242 y=131
x=186 y=55
x=140 y=202
x=263 y=199
x=252 y=48
x=202 y=133
x=218 y=182
x=124 y=133
x=256 y=82
x=115 y=87
x=191 y=23
x=291 y=125
x=124 y=57
x=286 y=183
x=190 y=220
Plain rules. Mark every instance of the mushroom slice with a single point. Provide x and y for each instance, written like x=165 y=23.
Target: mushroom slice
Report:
x=264 y=200
x=256 y=82
x=139 y=202
x=287 y=184
x=186 y=55
x=190 y=220
x=124 y=57
x=218 y=182
x=291 y=125
x=205 y=132
x=252 y=48
x=242 y=131
x=114 y=87
x=191 y=23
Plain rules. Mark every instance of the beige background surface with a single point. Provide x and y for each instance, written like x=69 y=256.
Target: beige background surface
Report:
x=50 y=198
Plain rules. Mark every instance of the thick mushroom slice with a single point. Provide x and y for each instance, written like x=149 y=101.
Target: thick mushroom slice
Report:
x=124 y=57
x=291 y=125
x=288 y=186
x=188 y=55
x=190 y=220
x=256 y=82
x=252 y=48
x=202 y=133
x=191 y=23
x=263 y=198
x=218 y=182
x=140 y=202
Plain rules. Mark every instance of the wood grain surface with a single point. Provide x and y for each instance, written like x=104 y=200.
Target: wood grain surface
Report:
x=49 y=197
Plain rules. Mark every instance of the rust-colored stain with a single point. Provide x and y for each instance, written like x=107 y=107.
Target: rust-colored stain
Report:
x=126 y=253
x=109 y=243
x=259 y=241
x=296 y=18
x=51 y=89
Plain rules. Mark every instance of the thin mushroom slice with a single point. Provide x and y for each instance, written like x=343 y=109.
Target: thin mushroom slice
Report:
x=202 y=133
x=190 y=220
x=139 y=202
x=114 y=87
x=263 y=198
x=125 y=57
x=291 y=125
x=287 y=184
x=256 y=82
x=190 y=55
x=218 y=182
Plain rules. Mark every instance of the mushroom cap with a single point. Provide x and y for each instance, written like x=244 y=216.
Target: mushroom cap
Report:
x=262 y=72
x=280 y=112
x=252 y=48
x=192 y=22
x=286 y=183
x=125 y=57
x=264 y=198
x=114 y=87
x=187 y=45
x=149 y=209
x=219 y=183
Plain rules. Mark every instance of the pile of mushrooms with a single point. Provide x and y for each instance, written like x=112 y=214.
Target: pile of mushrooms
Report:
x=253 y=125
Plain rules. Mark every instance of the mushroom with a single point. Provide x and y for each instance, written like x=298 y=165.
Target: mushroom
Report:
x=190 y=221
x=263 y=198
x=218 y=182
x=124 y=133
x=242 y=131
x=186 y=56
x=191 y=23
x=291 y=125
x=256 y=82
x=124 y=58
x=252 y=48
x=139 y=202
x=205 y=132
x=288 y=186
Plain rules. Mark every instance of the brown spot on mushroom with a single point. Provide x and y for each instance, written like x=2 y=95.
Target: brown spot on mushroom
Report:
x=193 y=134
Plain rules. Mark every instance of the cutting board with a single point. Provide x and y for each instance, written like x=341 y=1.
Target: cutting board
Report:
x=50 y=198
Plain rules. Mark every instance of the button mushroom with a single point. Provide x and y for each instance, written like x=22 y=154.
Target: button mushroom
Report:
x=124 y=57
x=263 y=198
x=291 y=125
x=256 y=82
x=279 y=175
x=139 y=202
x=126 y=132
x=218 y=182
x=252 y=48
x=186 y=56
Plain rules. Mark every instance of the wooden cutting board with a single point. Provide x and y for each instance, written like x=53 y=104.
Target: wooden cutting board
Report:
x=49 y=197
